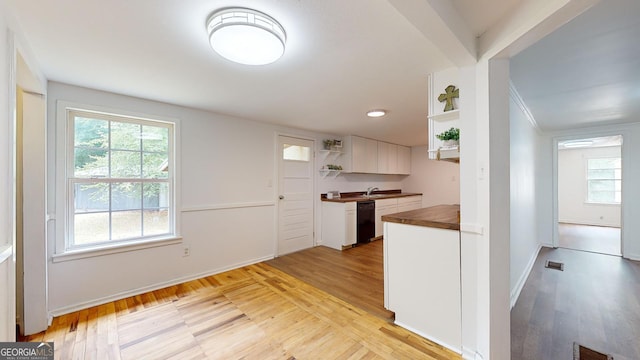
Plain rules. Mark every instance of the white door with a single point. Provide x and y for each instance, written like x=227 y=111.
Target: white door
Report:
x=295 y=214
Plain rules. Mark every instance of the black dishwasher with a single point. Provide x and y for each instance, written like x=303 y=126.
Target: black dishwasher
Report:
x=366 y=215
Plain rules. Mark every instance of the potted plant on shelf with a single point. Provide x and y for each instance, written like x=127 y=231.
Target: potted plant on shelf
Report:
x=450 y=137
x=328 y=143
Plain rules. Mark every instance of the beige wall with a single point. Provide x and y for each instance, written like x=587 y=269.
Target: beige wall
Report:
x=438 y=181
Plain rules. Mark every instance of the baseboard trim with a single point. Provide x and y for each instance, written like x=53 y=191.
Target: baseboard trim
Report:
x=515 y=293
x=634 y=257
x=145 y=289
x=430 y=338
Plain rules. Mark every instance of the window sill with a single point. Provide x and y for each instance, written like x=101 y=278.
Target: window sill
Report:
x=601 y=203
x=114 y=249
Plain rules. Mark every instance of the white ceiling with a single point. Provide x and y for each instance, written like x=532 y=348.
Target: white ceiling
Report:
x=587 y=72
x=342 y=59
x=480 y=15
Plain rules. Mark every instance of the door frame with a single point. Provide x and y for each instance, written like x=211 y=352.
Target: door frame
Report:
x=624 y=151
x=276 y=187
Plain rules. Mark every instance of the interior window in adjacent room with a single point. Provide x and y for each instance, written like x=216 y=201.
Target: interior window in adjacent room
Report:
x=604 y=180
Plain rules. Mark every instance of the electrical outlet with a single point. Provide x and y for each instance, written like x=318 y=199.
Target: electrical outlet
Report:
x=186 y=251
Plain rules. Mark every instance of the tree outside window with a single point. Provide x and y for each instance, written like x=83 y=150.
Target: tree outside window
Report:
x=120 y=182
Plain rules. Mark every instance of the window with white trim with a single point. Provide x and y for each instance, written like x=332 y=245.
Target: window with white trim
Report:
x=604 y=180
x=120 y=180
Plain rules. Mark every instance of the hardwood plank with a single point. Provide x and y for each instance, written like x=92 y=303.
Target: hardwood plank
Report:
x=255 y=312
x=354 y=275
x=593 y=302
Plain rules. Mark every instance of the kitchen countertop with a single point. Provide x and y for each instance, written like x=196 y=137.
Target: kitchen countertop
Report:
x=361 y=196
x=440 y=216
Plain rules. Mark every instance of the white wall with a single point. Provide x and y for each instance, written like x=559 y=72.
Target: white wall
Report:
x=7 y=282
x=438 y=181
x=524 y=162
x=225 y=162
x=572 y=188
x=630 y=175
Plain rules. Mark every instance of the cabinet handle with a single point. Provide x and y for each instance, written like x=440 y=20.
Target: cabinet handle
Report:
x=281 y=197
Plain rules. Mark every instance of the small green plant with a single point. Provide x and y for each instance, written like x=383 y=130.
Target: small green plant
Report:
x=451 y=134
x=328 y=143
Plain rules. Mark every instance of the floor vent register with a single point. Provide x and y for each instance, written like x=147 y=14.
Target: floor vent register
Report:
x=554 y=265
x=584 y=353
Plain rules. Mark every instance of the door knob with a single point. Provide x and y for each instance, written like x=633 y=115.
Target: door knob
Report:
x=281 y=197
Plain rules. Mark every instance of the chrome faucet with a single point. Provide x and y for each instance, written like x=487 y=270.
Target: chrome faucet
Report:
x=371 y=189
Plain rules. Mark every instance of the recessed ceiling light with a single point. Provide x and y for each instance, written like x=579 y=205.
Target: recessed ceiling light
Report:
x=376 y=113
x=246 y=36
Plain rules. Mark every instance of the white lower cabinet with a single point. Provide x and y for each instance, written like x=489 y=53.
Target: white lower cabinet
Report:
x=338 y=224
x=392 y=206
x=409 y=203
x=384 y=207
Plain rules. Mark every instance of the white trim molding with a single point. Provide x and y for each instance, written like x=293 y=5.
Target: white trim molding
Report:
x=157 y=286
x=515 y=96
x=515 y=292
x=212 y=207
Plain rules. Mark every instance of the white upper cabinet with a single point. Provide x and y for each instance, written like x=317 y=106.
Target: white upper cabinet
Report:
x=404 y=160
x=376 y=157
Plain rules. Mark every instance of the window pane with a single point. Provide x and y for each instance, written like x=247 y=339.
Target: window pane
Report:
x=91 y=163
x=155 y=139
x=126 y=196
x=91 y=197
x=126 y=225
x=156 y=195
x=155 y=166
x=92 y=133
x=296 y=152
x=125 y=136
x=608 y=163
x=602 y=174
x=125 y=164
x=602 y=185
x=156 y=222
x=90 y=228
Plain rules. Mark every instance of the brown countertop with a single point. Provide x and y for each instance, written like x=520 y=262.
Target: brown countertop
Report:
x=360 y=196
x=440 y=216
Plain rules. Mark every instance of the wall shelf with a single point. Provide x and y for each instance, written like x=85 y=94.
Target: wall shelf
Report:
x=332 y=173
x=449 y=115
x=331 y=154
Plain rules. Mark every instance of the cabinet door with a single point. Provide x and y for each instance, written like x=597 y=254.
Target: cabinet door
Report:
x=383 y=157
x=372 y=156
x=392 y=159
x=358 y=154
x=350 y=227
x=404 y=160
x=364 y=155
x=384 y=207
x=409 y=203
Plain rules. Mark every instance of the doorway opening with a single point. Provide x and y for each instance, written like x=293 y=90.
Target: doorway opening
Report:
x=590 y=194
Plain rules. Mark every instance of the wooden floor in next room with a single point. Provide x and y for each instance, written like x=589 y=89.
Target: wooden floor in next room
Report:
x=594 y=301
x=255 y=312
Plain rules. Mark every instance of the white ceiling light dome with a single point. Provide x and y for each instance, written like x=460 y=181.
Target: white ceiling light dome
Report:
x=246 y=36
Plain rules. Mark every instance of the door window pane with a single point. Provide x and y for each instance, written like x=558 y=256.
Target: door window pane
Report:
x=296 y=152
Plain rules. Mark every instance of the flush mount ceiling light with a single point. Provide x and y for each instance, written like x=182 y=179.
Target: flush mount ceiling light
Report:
x=376 y=113
x=246 y=36
x=578 y=143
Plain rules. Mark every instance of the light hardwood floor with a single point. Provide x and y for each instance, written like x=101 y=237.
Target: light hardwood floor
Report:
x=255 y=312
x=354 y=275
